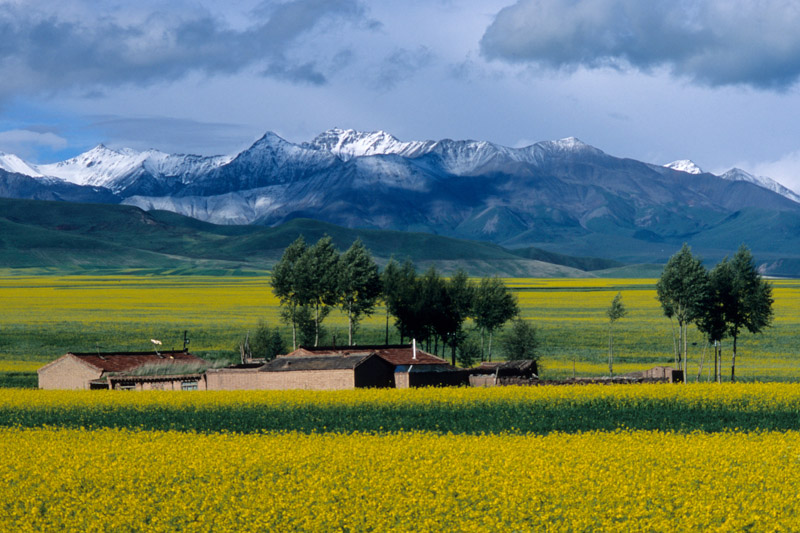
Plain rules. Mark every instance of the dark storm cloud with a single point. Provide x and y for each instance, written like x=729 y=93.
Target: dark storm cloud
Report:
x=50 y=52
x=712 y=42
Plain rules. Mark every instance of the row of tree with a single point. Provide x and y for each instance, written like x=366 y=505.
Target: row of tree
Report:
x=433 y=309
x=311 y=280
x=724 y=302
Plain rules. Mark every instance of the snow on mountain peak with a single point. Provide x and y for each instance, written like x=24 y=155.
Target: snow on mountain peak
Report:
x=737 y=174
x=567 y=144
x=12 y=163
x=107 y=167
x=685 y=165
x=349 y=143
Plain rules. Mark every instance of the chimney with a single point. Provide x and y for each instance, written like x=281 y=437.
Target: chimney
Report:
x=414 y=349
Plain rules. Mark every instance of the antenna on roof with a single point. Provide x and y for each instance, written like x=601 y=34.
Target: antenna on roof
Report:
x=414 y=349
x=185 y=341
x=156 y=343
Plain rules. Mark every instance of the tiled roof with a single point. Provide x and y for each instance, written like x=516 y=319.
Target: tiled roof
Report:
x=394 y=354
x=323 y=362
x=127 y=361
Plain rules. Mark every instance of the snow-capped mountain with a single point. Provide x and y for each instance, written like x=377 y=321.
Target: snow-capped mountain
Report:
x=685 y=165
x=556 y=192
x=119 y=170
x=12 y=163
x=737 y=174
x=347 y=144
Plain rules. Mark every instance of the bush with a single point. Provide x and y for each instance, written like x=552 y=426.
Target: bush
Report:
x=521 y=341
x=468 y=353
x=267 y=342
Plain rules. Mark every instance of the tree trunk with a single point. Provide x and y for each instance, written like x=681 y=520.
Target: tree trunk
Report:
x=294 y=331
x=685 y=352
x=349 y=325
x=387 y=328
x=453 y=352
x=483 y=336
x=719 y=370
x=316 y=325
x=733 y=361
x=610 y=354
x=716 y=360
x=491 y=333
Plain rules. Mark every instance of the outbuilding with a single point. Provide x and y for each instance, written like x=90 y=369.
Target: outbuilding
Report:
x=312 y=372
x=124 y=370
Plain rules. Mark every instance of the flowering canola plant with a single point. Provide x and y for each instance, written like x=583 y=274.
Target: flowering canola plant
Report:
x=56 y=479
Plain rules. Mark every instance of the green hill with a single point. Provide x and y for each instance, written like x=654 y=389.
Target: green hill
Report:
x=70 y=236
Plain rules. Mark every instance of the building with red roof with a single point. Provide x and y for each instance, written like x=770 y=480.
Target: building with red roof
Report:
x=168 y=369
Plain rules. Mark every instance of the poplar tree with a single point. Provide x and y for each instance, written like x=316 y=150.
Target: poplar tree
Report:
x=748 y=306
x=712 y=318
x=493 y=306
x=359 y=285
x=460 y=296
x=682 y=291
x=316 y=274
x=614 y=312
x=285 y=284
x=401 y=296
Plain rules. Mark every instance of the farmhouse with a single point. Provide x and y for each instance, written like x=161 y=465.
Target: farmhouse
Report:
x=331 y=368
x=166 y=370
x=330 y=372
x=411 y=367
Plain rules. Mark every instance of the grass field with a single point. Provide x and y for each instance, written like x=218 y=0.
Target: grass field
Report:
x=43 y=316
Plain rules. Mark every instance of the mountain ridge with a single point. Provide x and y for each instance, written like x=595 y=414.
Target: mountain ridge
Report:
x=563 y=196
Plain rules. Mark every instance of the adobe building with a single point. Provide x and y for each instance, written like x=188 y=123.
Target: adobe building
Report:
x=309 y=372
x=166 y=370
x=411 y=367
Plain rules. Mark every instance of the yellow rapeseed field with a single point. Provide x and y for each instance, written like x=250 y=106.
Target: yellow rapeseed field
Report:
x=41 y=317
x=128 y=480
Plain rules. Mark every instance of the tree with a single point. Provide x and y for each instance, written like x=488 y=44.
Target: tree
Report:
x=308 y=331
x=749 y=304
x=460 y=296
x=682 y=290
x=521 y=341
x=359 y=285
x=317 y=280
x=493 y=306
x=401 y=295
x=468 y=352
x=614 y=312
x=429 y=308
x=266 y=342
x=285 y=283
x=711 y=321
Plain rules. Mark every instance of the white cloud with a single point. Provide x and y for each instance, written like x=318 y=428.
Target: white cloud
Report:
x=25 y=143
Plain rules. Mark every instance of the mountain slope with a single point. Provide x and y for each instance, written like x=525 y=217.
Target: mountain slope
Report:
x=563 y=196
x=59 y=234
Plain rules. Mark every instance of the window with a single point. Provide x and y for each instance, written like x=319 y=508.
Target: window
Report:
x=126 y=386
x=188 y=385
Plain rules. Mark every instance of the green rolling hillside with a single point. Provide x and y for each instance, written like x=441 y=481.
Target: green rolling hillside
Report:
x=81 y=237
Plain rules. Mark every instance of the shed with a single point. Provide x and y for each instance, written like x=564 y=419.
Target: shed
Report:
x=92 y=370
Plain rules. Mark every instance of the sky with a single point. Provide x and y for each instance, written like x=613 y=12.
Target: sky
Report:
x=714 y=81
